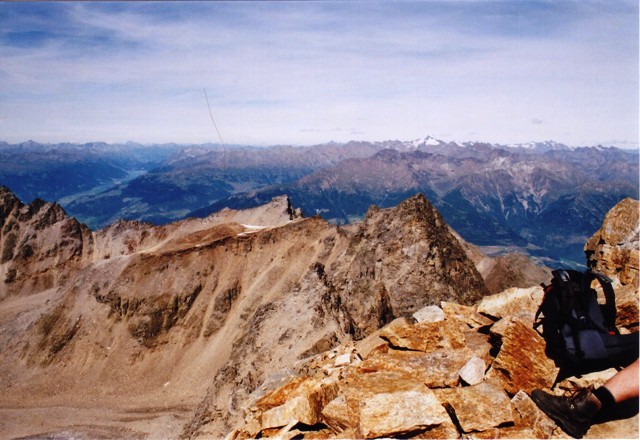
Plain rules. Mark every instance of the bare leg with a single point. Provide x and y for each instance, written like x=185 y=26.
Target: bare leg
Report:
x=624 y=385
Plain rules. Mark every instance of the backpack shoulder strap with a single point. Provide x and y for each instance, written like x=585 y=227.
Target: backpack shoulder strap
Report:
x=562 y=279
x=546 y=289
x=571 y=283
x=609 y=309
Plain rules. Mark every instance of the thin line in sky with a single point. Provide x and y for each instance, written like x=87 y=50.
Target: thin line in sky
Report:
x=224 y=149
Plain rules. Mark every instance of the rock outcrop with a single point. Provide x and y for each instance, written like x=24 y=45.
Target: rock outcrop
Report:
x=39 y=245
x=375 y=269
x=615 y=250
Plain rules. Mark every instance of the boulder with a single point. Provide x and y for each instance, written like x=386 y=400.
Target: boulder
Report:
x=528 y=415
x=514 y=302
x=277 y=389
x=627 y=301
x=613 y=249
x=336 y=414
x=359 y=384
x=343 y=360
x=303 y=402
x=395 y=414
x=427 y=336
x=363 y=384
x=479 y=345
x=472 y=372
x=466 y=314
x=500 y=327
x=480 y=407
x=365 y=346
x=446 y=429
x=522 y=363
x=435 y=369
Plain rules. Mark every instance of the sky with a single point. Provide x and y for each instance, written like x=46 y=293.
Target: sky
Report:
x=304 y=73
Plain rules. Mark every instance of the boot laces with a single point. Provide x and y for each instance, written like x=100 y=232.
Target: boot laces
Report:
x=576 y=392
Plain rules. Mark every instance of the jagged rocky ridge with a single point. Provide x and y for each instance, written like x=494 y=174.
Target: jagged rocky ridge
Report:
x=451 y=371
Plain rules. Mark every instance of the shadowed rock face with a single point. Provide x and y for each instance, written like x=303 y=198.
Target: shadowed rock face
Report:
x=396 y=254
x=39 y=244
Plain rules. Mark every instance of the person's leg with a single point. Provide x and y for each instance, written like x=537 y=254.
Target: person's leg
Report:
x=624 y=385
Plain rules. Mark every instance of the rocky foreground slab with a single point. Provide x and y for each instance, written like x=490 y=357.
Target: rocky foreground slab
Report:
x=458 y=374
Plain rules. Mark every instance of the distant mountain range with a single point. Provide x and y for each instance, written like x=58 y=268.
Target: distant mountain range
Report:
x=543 y=198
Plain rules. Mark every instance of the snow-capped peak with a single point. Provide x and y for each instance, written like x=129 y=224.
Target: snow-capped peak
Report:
x=428 y=141
x=431 y=141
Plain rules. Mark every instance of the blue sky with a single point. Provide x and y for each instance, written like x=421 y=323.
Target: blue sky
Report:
x=311 y=72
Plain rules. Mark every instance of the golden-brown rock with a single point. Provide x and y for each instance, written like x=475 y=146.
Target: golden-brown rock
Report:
x=514 y=302
x=528 y=415
x=434 y=369
x=303 y=404
x=522 y=363
x=467 y=314
x=480 y=407
x=400 y=413
x=427 y=336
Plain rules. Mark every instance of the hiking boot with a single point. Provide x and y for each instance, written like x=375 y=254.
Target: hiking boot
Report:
x=573 y=414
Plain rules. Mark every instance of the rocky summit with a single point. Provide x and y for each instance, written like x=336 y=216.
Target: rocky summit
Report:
x=261 y=322
x=451 y=371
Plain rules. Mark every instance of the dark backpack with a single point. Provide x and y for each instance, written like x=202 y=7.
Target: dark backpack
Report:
x=576 y=328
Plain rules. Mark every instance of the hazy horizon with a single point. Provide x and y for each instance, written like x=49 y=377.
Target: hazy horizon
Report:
x=213 y=144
